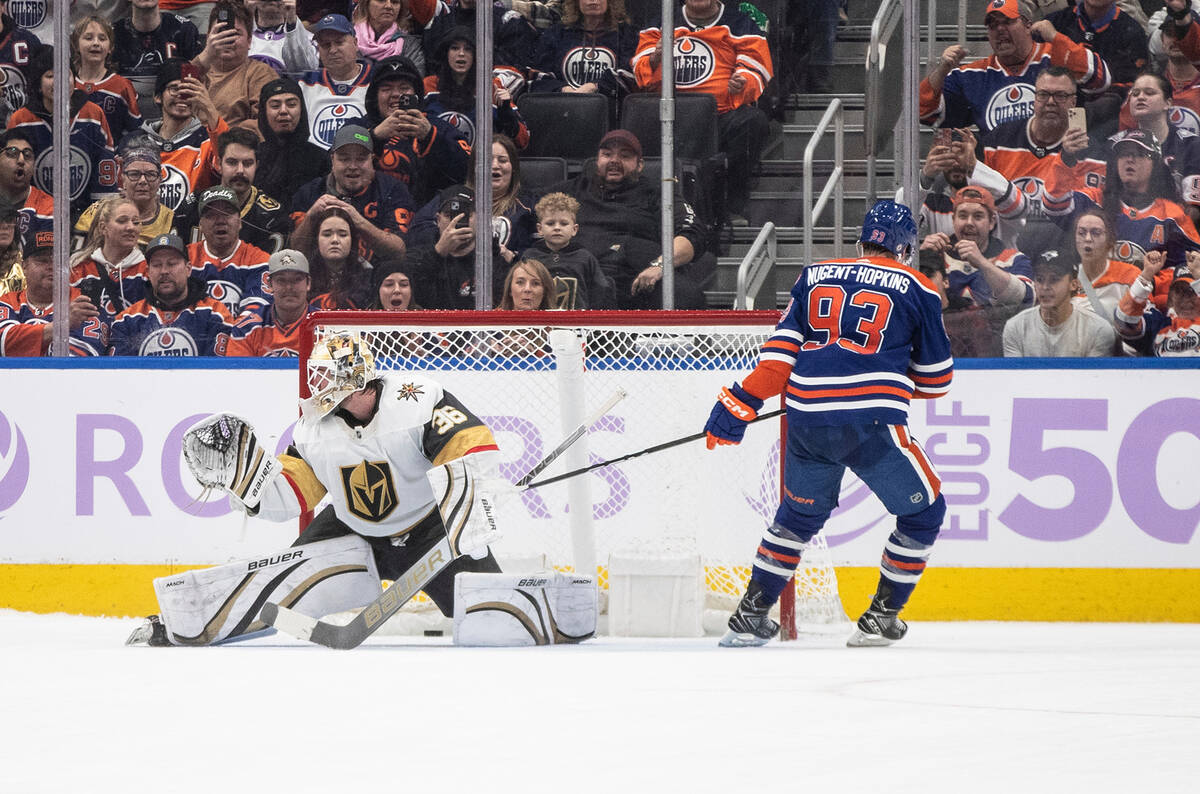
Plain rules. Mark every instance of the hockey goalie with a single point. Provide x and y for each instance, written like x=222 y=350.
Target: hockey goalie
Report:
x=396 y=468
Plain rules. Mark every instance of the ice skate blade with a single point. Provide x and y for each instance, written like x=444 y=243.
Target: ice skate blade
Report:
x=140 y=635
x=860 y=639
x=733 y=639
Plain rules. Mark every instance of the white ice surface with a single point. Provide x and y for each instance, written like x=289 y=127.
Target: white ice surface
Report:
x=956 y=707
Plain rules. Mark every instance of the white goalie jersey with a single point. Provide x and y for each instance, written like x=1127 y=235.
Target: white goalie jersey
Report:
x=375 y=475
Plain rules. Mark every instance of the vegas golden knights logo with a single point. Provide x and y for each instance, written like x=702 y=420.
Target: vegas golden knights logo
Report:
x=370 y=492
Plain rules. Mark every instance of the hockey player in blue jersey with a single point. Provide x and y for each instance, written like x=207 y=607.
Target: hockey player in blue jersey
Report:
x=859 y=339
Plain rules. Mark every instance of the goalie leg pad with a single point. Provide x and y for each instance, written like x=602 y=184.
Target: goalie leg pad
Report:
x=211 y=605
x=500 y=610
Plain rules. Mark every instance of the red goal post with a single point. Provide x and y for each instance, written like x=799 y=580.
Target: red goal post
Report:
x=535 y=376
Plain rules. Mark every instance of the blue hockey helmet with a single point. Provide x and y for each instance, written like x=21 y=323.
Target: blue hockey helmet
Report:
x=890 y=225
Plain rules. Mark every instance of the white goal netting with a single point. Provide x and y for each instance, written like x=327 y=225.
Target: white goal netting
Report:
x=535 y=377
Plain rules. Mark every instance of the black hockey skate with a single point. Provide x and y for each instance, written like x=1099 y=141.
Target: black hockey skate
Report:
x=878 y=626
x=750 y=624
x=152 y=632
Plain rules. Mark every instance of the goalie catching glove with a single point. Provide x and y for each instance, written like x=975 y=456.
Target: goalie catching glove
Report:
x=223 y=452
x=735 y=408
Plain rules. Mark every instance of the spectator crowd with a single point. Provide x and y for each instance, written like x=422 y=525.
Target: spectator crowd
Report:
x=235 y=165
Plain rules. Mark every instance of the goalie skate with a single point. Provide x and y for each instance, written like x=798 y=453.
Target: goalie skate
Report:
x=877 y=627
x=151 y=632
x=750 y=625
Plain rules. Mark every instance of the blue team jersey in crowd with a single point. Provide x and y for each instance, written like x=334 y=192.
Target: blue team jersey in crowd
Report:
x=862 y=336
x=201 y=327
x=21 y=326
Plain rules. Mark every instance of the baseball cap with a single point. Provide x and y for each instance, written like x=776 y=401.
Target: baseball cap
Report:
x=218 y=193
x=287 y=259
x=975 y=195
x=456 y=200
x=622 y=138
x=1058 y=263
x=397 y=67
x=352 y=134
x=39 y=241
x=333 y=22
x=1139 y=137
x=172 y=241
x=1009 y=8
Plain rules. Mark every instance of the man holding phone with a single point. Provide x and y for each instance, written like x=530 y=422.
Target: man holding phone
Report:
x=233 y=79
x=443 y=274
x=418 y=148
x=1030 y=152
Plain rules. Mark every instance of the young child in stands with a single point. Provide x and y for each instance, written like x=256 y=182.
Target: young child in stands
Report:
x=579 y=282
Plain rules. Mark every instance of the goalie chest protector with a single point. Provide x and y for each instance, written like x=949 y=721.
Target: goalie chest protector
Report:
x=375 y=474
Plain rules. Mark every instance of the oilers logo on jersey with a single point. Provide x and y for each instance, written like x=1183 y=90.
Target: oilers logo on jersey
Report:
x=13 y=88
x=80 y=170
x=587 y=64
x=174 y=187
x=694 y=62
x=1184 y=118
x=28 y=14
x=226 y=292
x=332 y=118
x=370 y=490
x=168 y=342
x=1129 y=251
x=1011 y=103
x=460 y=122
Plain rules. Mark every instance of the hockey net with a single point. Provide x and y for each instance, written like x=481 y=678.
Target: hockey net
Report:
x=534 y=377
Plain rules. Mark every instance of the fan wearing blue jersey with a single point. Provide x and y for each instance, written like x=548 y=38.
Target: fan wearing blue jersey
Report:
x=859 y=339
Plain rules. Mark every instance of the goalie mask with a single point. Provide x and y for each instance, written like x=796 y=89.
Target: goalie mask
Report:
x=340 y=365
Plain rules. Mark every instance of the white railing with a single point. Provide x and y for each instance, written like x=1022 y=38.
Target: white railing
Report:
x=753 y=272
x=833 y=186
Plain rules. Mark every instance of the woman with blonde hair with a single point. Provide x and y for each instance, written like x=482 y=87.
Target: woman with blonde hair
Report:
x=527 y=287
x=392 y=27
x=110 y=268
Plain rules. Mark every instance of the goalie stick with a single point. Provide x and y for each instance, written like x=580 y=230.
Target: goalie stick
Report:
x=648 y=450
x=410 y=582
x=601 y=412
x=373 y=615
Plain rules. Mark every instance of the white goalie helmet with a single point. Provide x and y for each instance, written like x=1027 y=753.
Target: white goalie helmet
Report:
x=340 y=365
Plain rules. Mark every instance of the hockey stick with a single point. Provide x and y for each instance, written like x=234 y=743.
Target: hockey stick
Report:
x=600 y=413
x=646 y=451
x=373 y=615
x=409 y=583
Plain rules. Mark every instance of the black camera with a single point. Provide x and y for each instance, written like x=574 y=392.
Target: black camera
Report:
x=409 y=102
x=224 y=16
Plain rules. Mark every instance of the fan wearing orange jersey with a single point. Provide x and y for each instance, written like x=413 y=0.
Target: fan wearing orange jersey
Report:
x=719 y=51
